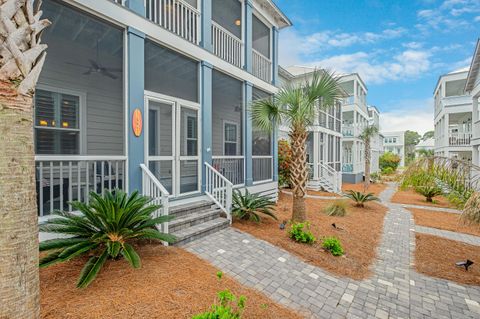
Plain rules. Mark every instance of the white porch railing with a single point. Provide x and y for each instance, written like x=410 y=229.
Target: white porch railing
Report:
x=331 y=176
x=460 y=139
x=219 y=189
x=261 y=66
x=176 y=16
x=152 y=187
x=262 y=168
x=62 y=179
x=232 y=167
x=353 y=167
x=226 y=45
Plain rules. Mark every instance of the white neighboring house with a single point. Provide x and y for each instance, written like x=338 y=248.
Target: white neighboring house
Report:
x=453 y=116
x=354 y=119
x=324 y=139
x=426 y=145
x=394 y=142
x=472 y=87
x=376 y=142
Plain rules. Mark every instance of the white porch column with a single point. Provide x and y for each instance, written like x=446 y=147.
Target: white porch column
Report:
x=315 y=160
x=446 y=130
x=475 y=109
x=475 y=131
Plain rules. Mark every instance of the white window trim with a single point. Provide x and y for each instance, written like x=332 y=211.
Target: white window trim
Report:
x=185 y=149
x=82 y=114
x=237 y=137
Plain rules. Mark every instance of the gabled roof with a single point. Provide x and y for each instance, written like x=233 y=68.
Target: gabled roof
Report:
x=280 y=18
x=474 y=69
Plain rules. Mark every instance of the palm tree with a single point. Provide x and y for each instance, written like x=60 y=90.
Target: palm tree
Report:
x=21 y=61
x=366 y=137
x=296 y=105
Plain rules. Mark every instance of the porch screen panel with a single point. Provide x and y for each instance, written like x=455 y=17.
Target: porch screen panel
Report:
x=227 y=112
x=262 y=140
x=261 y=37
x=170 y=73
x=84 y=68
x=228 y=14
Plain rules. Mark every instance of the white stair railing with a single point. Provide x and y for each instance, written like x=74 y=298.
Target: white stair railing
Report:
x=152 y=188
x=330 y=175
x=219 y=189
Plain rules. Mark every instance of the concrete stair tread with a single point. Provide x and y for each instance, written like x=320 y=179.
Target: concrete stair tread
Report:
x=196 y=215
x=190 y=206
x=200 y=228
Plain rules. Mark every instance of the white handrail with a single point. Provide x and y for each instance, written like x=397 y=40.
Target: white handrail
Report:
x=333 y=177
x=152 y=187
x=226 y=45
x=219 y=189
x=261 y=66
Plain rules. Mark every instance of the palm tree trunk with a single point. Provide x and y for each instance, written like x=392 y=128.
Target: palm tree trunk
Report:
x=367 y=164
x=298 y=172
x=19 y=285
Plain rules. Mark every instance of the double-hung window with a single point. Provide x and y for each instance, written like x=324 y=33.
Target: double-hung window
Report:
x=230 y=133
x=191 y=136
x=57 y=123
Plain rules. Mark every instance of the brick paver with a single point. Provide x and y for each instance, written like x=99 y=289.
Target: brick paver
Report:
x=394 y=291
x=466 y=238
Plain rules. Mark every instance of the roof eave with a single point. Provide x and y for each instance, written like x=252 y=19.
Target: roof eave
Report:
x=474 y=69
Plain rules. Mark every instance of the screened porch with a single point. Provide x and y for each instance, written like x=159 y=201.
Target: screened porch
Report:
x=79 y=124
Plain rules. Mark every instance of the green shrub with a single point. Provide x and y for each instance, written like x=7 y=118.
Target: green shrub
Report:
x=375 y=177
x=429 y=191
x=389 y=159
x=333 y=245
x=249 y=206
x=300 y=232
x=360 y=198
x=228 y=306
x=103 y=228
x=337 y=208
x=388 y=171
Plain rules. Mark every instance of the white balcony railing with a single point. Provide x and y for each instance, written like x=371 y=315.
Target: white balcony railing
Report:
x=226 y=45
x=62 y=179
x=176 y=16
x=353 y=167
x=232 y=167
x=219 y=189
x=262 y=168
x=261 y=66
x=459 y=139
x=348 y=130
x=152 y=188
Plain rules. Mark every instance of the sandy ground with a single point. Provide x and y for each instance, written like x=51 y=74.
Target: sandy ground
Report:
x=441 y=220
x=411 y=197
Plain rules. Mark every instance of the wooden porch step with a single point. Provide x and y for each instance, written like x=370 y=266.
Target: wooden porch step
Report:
x=200 y=230
x=192 y=219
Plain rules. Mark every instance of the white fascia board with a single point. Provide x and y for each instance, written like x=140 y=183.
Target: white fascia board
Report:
x=123 y=16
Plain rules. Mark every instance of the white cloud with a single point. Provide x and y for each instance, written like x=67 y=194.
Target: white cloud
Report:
x=477 y=19
x=448 y=16
x=405 y=65
x=413 y=115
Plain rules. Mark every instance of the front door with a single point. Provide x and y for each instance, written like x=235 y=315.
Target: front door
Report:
x=172 y=144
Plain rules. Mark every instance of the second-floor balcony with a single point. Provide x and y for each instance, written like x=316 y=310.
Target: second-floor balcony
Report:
x=459 y=139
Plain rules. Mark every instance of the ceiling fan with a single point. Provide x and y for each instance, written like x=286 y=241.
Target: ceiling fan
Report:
x=96 y=67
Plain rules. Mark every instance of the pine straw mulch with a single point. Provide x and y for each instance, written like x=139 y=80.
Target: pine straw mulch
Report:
x=361 y=234
x=376 y=189
x=172 y=283
x=443 y=220
x=413 y=198
x=436 y=257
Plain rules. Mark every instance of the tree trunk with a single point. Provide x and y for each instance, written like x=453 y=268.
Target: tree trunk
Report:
x=298 y=172
x=367 y=164
x=19 y=285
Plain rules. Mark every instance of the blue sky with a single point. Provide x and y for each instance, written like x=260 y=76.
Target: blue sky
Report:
x=399 y=47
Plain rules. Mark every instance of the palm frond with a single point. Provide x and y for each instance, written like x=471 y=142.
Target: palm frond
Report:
x=91 y=269
x=60 y=243
x=249 y=206
x=131 y=255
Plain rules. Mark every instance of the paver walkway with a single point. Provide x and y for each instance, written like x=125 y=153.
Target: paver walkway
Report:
x=466 y=238
x=394 y=291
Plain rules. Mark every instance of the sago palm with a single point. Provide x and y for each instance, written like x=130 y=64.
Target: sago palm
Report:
x=360 y=198
x=296 y=105
x=104 y=228
x=366 y=137
x=250 y=206
x=21 y=60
